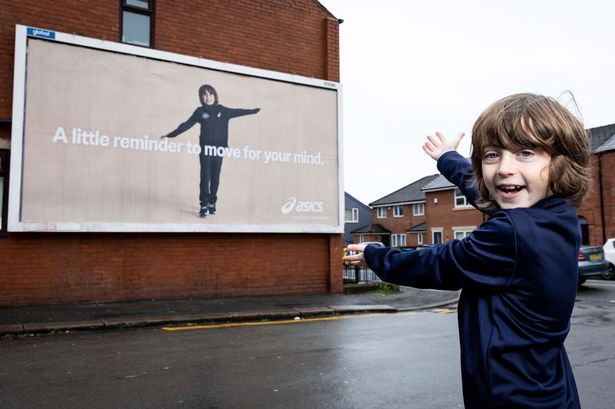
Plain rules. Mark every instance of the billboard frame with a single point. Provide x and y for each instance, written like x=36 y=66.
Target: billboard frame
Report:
x=15 y=224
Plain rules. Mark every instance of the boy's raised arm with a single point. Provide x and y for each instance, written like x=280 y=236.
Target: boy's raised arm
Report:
x=454 y=167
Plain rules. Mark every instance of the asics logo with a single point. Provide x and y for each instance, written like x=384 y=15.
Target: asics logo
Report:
x=301 y=206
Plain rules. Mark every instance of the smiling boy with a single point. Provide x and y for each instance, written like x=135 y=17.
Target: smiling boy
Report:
x=518 y=270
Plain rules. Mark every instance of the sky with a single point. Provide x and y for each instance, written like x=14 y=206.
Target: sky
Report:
x=413 y=67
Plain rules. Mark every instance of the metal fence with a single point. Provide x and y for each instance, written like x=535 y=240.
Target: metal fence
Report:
x=360 y=275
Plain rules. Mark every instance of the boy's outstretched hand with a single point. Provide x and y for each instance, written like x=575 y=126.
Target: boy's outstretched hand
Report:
x=439 y=145
x=357 y=258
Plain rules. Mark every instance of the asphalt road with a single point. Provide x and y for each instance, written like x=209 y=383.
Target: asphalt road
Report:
x=405 y=360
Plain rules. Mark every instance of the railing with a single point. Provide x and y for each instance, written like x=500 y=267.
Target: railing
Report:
x=360 y=275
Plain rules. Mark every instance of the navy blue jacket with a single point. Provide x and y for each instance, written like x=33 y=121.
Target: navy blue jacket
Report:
x=214 y=121
x=518 y=278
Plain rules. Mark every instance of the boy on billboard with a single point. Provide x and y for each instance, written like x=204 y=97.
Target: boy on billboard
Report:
x=214 y=119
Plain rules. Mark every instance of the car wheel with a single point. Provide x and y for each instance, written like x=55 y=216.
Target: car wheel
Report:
x=582 y=280
x=610 y=274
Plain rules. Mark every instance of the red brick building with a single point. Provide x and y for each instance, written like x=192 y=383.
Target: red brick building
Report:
x=295 y=37
x=431 y=210
x=597 y=214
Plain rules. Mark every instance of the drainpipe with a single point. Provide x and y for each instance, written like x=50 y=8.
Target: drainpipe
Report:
x=600 y=189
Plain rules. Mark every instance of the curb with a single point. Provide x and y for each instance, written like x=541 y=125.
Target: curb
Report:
x=262 y=315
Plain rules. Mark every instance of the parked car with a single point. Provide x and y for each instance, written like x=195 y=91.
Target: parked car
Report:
x=376 y=243
x=609 y=256
x=591 y=263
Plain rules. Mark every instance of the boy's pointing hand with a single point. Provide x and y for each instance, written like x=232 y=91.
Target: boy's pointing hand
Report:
x=356 y=259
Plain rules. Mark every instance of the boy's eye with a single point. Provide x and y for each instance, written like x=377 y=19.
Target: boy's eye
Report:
x=491 y=155
x=526 y=153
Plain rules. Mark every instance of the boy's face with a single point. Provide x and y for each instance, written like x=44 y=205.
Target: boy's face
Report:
x=517 y=178
x=209 y=98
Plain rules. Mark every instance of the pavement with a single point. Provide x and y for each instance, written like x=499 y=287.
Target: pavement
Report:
x=36 y=319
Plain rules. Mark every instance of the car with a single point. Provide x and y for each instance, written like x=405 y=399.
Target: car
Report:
x=609 y=256
x=376 y=243
x=591 y=262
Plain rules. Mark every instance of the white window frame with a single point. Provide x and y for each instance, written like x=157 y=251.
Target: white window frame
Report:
x=145 y=10
x=381 y=212
x=418 y=209
x=463 y=230
x=354 y=218
x=398 y=240
x=458 y=195
x=419 y=238
x=398 y=211
x=435 y=230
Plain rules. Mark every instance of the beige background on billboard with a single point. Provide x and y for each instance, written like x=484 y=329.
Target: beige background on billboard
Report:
x=127 y=96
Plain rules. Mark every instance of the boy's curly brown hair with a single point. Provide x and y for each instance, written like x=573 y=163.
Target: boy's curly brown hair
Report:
x=536 y=122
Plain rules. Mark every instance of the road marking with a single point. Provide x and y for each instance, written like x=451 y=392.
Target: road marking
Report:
x=600 y=283
x=281 y=322
x=444 y=310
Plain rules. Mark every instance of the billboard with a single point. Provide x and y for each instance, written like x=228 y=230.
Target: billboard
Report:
x=112 y=137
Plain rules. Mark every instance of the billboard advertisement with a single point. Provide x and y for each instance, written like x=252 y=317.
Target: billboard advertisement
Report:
x=111 y=137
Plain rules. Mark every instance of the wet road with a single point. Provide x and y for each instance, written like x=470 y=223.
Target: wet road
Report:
x=408 y=360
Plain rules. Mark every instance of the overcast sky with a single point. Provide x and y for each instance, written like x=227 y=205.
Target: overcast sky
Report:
x=411 y=67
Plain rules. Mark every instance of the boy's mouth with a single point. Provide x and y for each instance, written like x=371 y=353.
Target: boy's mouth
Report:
x=510 y=190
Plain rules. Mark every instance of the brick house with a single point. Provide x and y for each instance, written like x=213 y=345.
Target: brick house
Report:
x=432 y=210
x=398 y=219
x=298 y=37
x=597 y=213
x=357 y=215
x=447 y=213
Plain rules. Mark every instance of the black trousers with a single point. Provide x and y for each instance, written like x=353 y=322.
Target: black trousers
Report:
x=210 y=178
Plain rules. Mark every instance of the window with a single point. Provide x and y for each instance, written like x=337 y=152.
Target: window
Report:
x=351 y=215
x=436 y=236
x=419 y=238
x=460 y=199
x=4 y=189
x=138 y=22
x=398 y=211
x=398 y=240
x=584 y=230
x=461 y=234
x=418 y=209
x=382 y=213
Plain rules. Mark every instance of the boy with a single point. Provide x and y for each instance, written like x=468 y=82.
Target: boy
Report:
x=517 y=271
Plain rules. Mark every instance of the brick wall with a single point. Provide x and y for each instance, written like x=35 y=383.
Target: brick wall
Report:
x=590 y=208
x=443 y=214
x=593 y=209
x=608 y=191
x=297 y=37
x=87 y=267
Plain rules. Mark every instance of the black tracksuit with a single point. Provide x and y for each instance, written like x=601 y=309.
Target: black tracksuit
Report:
x=214 y=121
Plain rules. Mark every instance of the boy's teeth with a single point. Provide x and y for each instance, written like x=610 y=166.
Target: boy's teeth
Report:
x=510 y=187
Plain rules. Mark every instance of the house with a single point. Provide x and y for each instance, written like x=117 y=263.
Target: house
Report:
x=597 y=213
x=398 y=219
x=448 y=215
x=357 y=215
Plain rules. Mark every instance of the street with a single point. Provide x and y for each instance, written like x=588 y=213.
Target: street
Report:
x=404 y=360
